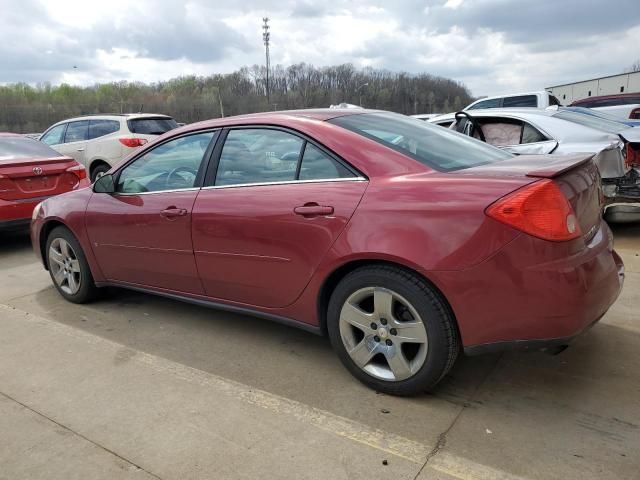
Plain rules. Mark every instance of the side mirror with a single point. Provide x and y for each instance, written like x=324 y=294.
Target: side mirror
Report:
x=104 y=184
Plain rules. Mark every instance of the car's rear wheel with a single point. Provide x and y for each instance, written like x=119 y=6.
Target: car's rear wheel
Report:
x=68 y=267
x=392 y=330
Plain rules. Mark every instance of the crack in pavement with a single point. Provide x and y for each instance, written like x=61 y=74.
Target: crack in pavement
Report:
x=442 y=437
x=102 y=447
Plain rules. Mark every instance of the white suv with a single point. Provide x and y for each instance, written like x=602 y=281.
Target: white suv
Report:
x=101 y=141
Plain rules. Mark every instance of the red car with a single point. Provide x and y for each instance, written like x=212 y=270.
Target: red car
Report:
x=402 y=241
x=30 y=172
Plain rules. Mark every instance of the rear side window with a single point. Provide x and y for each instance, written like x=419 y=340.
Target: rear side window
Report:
x=521 y=101
x=100 y=128
x=151 y=126
x=493 y=103
x=317 y=165
x=77 y=131
x=431 y=145
x=55 y=136
x=21 y=147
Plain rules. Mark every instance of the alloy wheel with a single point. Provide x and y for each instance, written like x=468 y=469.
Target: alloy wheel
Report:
x=64 y=265
x=383 y=334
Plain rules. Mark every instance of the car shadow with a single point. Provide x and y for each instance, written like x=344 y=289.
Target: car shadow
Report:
x=13 y=246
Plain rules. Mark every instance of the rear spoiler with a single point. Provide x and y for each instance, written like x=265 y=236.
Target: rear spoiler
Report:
x=555 y=165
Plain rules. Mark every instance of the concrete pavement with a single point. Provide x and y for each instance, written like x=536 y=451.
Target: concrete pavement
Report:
x=147 y=387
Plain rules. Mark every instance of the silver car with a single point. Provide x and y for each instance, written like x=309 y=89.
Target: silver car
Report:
x=616 y=146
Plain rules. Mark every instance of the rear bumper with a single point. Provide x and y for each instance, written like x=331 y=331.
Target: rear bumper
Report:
x=533 y=294
x=17 y=212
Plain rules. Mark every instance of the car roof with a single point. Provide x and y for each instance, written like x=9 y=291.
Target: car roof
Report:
x=10 y=134
x=282 y=116
x=538 y=92
x=114 y=116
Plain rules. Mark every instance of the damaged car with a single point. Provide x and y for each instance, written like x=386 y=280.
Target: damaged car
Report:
x=616 y=146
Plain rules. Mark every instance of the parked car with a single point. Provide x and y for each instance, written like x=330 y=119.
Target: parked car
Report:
x=541 y=99
x=100 y=141
x=401 y=251
x=30 y=172
x=600 y=114
x=623 y=105
x=615 y=145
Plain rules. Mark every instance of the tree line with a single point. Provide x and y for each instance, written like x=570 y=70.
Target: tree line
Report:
x=25 y=108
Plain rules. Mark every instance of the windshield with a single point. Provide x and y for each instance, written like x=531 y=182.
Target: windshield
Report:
x=21 y=147
x=591 y=121
x=595 y=113
x=431 y=145
x=152 y=126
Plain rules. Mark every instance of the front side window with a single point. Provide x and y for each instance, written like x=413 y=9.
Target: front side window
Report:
x=55 y=136
x=258 y=155
x=553 y=100
x=174 y=165
x=431 y=145
x=100 y=128
x=530 y=134
x=493 y=103
x=521 y=101
x=77 y=131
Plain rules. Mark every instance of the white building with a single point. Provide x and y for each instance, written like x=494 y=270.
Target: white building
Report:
x=611 y=85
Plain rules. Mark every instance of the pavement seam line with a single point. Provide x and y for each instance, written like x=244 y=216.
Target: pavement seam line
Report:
x=401 y=447
x=92 y=442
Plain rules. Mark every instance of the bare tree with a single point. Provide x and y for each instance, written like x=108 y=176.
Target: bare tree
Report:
x=634 y=67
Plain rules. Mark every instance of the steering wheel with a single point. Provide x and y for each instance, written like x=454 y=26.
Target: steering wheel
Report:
x=170 y=178
x=474 y=123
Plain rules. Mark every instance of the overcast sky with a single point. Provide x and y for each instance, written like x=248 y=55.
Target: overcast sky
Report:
x=493 y=46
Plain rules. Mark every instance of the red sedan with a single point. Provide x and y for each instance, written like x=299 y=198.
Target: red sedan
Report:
x=402 y=241
x=30 y=172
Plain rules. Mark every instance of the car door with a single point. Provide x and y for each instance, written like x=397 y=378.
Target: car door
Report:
x=269 y=212
x=141 y=233
x=75 y=141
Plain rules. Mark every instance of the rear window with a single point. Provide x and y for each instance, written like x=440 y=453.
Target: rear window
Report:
x=431 y=145
x=521 y=101
x=151 y=126
x=591 y=121
x=607 y=102
x=20 y=147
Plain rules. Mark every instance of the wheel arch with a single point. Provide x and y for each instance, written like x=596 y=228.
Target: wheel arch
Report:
x=46 y=229
x=96 y=162
x=332 y=280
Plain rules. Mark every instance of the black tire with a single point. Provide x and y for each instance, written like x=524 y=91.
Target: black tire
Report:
x=98 y=171
x=87 y=290
x=443 y=342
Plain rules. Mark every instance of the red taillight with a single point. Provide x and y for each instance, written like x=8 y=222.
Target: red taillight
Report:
x=539 y=209
x=635 y=114
x=133 y=142
x=633 y=154
x=79 y=171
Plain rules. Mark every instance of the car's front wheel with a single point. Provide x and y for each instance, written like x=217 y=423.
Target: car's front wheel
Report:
x=68 y=267
x=392 y=330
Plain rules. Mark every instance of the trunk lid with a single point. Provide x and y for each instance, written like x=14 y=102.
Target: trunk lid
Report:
x=576 y=175
x=24 y=178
